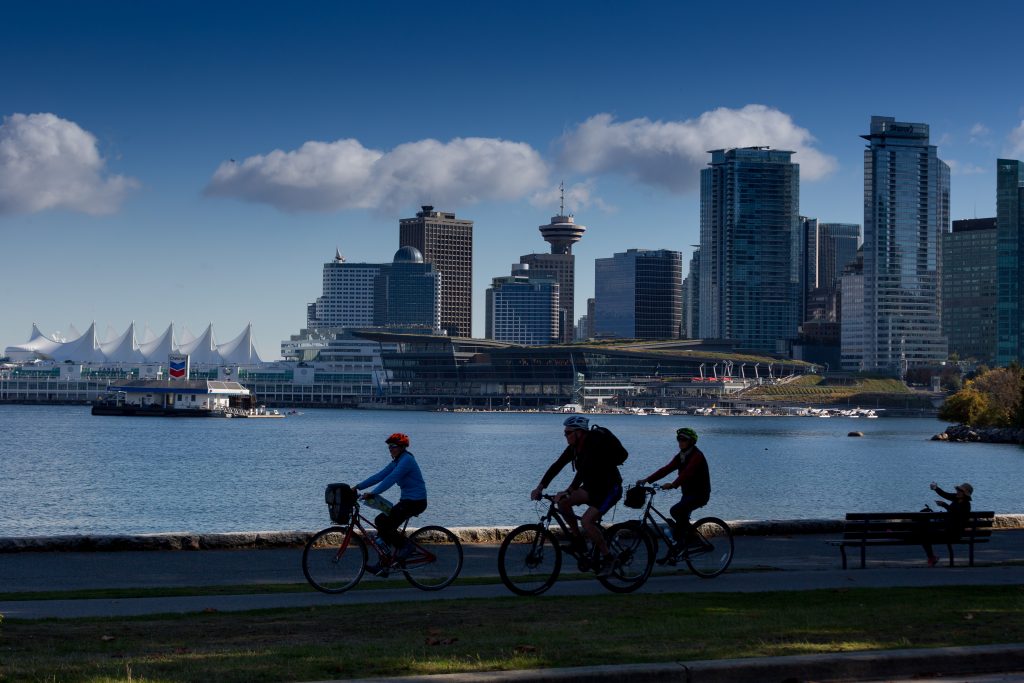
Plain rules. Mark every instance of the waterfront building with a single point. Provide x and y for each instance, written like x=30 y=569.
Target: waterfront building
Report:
x=446 y=242
x=1010 y=235
x=906 y=211
x=749 y=274
x=638 y=294
x=407 y=293
x=446 y=372
x=969 y=278
x=561 y=233
x=524 y=308
x=347 y=299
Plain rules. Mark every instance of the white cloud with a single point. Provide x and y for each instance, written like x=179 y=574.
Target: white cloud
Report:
x=1015 y=143
x=330 y=176
x=577 y=197
x=669 y=154
x=979 y=130
x=47 y=162
x=956 y=168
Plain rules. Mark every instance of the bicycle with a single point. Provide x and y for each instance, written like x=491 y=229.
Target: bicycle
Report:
x=335 y=558
x=530 y=557
x=707 y=553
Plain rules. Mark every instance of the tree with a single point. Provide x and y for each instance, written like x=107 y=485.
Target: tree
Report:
x=965 y=407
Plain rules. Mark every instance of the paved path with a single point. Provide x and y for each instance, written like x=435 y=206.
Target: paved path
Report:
x=762 y=563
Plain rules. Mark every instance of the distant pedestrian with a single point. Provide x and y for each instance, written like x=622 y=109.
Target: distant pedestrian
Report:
x=958 y=511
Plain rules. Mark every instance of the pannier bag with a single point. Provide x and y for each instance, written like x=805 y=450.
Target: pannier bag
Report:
x=340 y=501
x=635 y=498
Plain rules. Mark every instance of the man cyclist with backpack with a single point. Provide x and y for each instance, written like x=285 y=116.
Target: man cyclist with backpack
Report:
x=693 y=479
x=597 y=484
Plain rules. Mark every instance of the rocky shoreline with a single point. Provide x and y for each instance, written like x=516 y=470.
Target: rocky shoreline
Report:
x=967 y=433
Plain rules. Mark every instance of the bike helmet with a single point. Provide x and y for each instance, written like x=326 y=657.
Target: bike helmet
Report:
x=577 y=422
x=399 y=439
x=688 y=433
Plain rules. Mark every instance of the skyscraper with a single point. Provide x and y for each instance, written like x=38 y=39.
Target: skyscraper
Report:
x=906 y=210
x=562 y=232
x=969 y=289
x=691 y=298
x=638 y=294
x=446 y=242
x=1010 y=236
x=523 y=308
x=750 y=248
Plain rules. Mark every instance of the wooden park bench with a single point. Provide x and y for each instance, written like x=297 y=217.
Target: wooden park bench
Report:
x=862 y=529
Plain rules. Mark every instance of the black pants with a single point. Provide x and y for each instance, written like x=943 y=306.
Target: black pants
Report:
x=681 y=511
x=387 y=523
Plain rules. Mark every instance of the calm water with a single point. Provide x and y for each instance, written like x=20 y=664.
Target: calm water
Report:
x=64 y=471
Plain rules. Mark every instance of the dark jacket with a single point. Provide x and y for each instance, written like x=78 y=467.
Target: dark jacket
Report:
x=694 y=478
x=591 y=467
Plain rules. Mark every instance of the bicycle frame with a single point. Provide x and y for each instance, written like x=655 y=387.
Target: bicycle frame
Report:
x=360 y=523
x=554 y=514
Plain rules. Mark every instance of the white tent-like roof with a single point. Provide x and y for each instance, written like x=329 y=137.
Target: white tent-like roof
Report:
x=126 y=348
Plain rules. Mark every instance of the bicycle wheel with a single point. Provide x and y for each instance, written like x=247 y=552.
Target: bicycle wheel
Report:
x=331 y=564
x=715 y=553
x=436 y=558
x=529 y=560
x=633 y=550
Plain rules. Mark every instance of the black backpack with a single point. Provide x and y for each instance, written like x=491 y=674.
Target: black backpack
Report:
x=608 y=445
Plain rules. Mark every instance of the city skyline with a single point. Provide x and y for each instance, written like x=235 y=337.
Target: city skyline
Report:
x=201 y=163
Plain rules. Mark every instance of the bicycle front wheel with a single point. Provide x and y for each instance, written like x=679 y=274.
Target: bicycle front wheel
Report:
x=436 y=558
x=634 y=552
x=714 y=553
x=334 y=559
x=529 y=560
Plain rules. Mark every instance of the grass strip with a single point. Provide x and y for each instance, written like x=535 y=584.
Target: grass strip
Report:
x=346 y=641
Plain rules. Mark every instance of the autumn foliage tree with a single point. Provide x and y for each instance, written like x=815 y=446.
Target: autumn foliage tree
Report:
x=991 y=399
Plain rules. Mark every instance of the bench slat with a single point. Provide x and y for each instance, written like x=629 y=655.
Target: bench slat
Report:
x=864 y=529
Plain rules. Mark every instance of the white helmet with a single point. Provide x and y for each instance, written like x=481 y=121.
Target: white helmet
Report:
x=577 y=422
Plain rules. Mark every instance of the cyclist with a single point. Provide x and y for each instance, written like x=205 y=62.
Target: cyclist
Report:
x=694 y=480
x=597 y=484
x=404 y=471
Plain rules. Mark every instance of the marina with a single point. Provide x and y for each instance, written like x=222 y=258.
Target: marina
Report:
x=180 y=398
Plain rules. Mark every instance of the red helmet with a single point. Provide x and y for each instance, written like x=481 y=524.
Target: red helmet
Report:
x=399 y=439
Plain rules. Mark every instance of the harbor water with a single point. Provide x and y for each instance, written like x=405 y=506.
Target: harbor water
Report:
x=64 y=471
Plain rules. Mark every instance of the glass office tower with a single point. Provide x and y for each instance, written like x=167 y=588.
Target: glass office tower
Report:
x=750 y=248
x=969 y=289
x=523 y=308
x=1010 y=234
x=638 y=294
x=407 y=293
x=906 y=212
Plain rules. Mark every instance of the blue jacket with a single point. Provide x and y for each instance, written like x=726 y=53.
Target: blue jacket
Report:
x=403 y=471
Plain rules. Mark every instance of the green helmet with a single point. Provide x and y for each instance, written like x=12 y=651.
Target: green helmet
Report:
x=688 y=433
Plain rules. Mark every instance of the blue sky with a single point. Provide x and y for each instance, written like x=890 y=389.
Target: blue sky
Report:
x=199 y=162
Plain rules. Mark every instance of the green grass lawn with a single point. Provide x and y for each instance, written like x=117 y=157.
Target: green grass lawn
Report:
x=477 y=635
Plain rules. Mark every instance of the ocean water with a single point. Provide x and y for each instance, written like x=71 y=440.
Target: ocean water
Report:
x=64 y=471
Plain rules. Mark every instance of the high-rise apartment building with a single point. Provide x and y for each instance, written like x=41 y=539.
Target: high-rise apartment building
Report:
x=638 y=294
x=523 y=308
x=347 y=298
x=691 y=298
x=750 y=247
x=561 y=233
x=969 y=289
x=853 y=333
x=906 y=211
x=446 y=242
x=1010 y=236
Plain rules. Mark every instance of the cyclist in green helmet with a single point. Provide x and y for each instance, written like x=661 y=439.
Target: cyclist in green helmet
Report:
x=693 y=479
